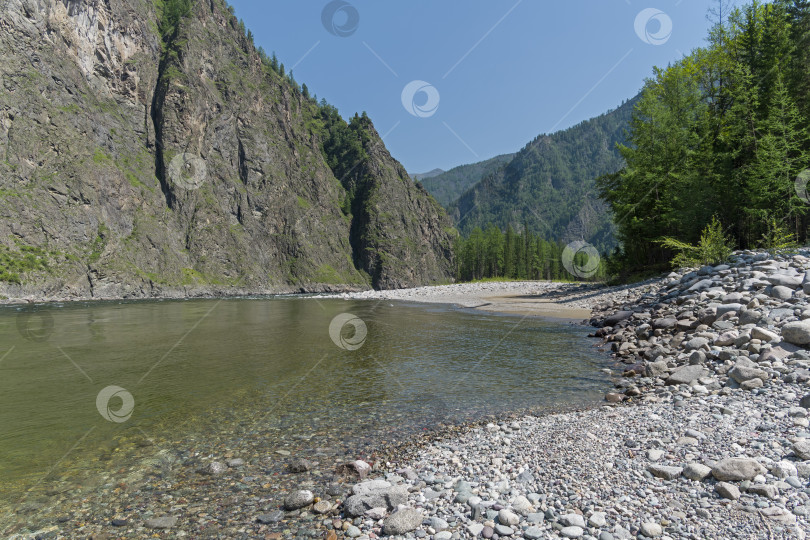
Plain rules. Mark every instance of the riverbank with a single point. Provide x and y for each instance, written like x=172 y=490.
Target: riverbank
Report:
x=574 y=301
x=706 y=436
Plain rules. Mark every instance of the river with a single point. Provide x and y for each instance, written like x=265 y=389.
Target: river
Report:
x=89 y=391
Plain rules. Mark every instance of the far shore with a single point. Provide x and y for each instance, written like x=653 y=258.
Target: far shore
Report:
x=546 y=299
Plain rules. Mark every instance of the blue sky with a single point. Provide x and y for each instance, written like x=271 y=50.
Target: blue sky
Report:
x=501 y=72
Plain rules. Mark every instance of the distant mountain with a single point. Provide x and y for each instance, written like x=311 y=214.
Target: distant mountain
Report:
x=449 y=186
x=430 y=174
x=549 y=185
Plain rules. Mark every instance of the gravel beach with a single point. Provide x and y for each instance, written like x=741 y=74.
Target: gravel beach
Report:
x=534 y=298
x=705 y=435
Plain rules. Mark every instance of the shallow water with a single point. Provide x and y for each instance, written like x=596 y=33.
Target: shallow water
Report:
x=259 y=369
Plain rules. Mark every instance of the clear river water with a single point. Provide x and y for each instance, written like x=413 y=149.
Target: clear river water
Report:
x=91 y=388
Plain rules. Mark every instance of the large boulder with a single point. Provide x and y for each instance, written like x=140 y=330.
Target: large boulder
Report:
x=783 y=280
x=687 y=374
x=802 y=449
x=696 y=343
x=727 y=491
x=763 y=334
x=797 y=333
x=665 y=323
x=374 y=494
x=742 y=373
x=664 y=472
x=700 y=285
x=402 y=521
x=656 y=369
x=618 y=317
x=781 y=293
x=737 y=469
x=728 y=308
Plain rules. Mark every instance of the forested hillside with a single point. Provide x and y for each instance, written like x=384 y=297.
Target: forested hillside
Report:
x=549 y=188
x=448 y=186
x=723 y=132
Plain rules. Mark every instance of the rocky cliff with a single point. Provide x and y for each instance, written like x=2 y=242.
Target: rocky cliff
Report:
x=148 y=149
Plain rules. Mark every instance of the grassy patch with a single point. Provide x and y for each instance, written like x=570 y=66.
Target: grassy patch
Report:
x=99 y=157
x=13 y=263
x=99 y=243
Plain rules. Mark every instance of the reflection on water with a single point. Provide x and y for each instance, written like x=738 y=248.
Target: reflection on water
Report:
x=89 y=387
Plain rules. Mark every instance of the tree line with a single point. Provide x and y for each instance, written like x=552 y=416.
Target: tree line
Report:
x=491 y=253
x=723 y=135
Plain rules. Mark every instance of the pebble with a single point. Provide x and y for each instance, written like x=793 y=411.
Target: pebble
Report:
x=165 y=522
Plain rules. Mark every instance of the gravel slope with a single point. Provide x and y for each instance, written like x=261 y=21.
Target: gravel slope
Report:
x=706 y=435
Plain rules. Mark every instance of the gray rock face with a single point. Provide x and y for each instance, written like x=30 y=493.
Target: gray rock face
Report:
x=322 y=507
x=504 y=530
x=402 y=521
x=737 y=469
x=243 y=200
x=521 y=505
x=533 y=533
x=702 y=284
x=750 y=316
x=797 y=333
x=784 y=469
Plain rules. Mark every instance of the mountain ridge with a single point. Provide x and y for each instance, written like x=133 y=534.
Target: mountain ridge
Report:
x=450 y=185
x=151 y=150
x=549 y=185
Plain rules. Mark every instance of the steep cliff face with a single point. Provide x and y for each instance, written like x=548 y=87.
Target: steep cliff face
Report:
x=142 y=158
x=395 y=248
